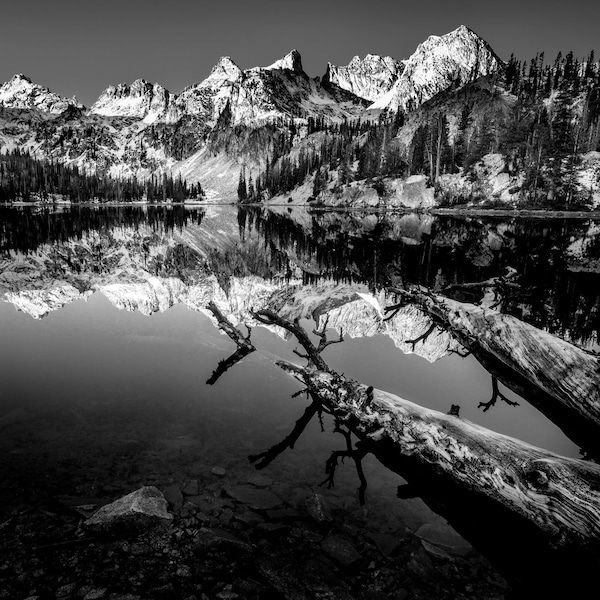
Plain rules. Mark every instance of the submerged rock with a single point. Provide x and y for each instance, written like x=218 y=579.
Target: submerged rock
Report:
x=95 y=594
x=192 y=488
x=281 y=577
x=318 y=509
x=260 y=481
x=174 y=496
x=249 y=518
x=255 y=498
x=386 y=544
x=342 y=551
x=444 y=537
x=142 y=508
x=213 y=537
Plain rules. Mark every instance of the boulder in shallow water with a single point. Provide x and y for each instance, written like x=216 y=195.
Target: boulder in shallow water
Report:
x=318 y=509
x=342 y=551
x=141 y=509
x=254 y=498
x=174 y=497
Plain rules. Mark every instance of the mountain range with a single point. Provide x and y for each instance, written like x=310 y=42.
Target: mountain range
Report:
x=206 y=131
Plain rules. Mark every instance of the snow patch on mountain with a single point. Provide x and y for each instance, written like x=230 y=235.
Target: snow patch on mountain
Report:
x=456 y=58
x=142 y=129
x=292 y=61
x=140 y=100
x=367 y=78
x=208 y=98
x=154 y=295
x=218 y=174
x=39 y=302
x=21 y=92
x=589 y=176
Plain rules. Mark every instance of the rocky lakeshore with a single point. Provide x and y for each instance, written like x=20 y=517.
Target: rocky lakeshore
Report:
x=225 y=538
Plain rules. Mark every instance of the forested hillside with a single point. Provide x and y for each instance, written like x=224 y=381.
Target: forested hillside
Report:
x=542 y=119
x=25 y=178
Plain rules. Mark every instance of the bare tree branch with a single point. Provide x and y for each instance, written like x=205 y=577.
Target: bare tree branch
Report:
x=313 y=353
x=227 y=327
x=422 y=337
x=243 y=343
x=264 y=459
x=496 y=395
x=357 y=454
x=225 y=365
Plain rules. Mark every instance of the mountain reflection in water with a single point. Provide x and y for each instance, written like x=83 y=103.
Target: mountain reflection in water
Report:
x=120 y=400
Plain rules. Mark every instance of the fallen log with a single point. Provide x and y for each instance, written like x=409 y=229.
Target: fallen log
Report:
x=560 y=369
x=533 y=513
x=582 y=431
x=559 y=496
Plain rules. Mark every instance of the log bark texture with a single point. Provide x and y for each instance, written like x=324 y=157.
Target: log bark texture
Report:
x=559 y=368
x=560 y=496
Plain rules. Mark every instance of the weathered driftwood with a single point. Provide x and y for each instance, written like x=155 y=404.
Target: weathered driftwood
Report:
x=582 y=431
x=504 y=287
x=243 y=343
x=313 y=353
x=560 y=369
x=560 y=496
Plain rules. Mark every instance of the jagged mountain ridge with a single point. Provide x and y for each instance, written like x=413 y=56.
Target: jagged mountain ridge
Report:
x=282 y=89
x=142 y=100
x=367 y=78
x=454 y=59
x=21 y=92
x=142 y=128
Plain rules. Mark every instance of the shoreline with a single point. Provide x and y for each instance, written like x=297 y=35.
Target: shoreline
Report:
x=461 y=212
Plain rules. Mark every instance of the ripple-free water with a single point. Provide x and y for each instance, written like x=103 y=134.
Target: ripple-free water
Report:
x=96 y=400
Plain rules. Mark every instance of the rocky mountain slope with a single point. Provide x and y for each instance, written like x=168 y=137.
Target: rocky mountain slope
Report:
x=140 y=100
x=369 y=77
x=143 y=129
x=454 y=59
x=20 y=92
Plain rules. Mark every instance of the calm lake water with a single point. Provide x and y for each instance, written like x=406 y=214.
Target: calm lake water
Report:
x=107 y=345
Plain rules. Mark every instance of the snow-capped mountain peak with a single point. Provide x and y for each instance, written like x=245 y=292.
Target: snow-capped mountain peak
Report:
x=209 y=97
x=141 y=100
x=224 y=70
x=367 y=78
x=292 y=61
x=21 y=92
x=119 y=134
x=456 y=58
x=19 y=78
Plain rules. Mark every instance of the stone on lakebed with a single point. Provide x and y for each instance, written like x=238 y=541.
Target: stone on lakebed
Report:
x=254 y=498
x=140 y=509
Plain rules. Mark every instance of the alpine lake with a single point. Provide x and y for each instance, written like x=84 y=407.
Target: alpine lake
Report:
x=112 y=378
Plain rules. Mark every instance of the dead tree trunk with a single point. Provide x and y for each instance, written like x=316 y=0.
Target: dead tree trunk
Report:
x=559 y=496
x=582 y=431
x=563 y=371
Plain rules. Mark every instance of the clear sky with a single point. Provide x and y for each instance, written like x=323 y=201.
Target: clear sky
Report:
x=81 y=47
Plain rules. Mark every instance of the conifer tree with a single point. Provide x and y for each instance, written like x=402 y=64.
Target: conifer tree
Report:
x=241 y=190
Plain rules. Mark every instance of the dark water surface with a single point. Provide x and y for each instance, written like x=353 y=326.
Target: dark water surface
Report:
x=96 y=401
